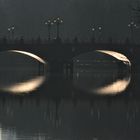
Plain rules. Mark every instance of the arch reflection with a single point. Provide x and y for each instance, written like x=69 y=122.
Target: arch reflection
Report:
x=21 y=72
x=114 y=88
x=102 y=72
x=25 y=87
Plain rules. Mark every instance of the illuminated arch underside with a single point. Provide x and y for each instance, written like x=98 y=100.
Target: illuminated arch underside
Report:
x=116 y=55
x=29 y=54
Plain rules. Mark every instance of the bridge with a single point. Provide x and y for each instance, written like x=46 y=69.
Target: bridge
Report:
x=67 y=50
x=60 y=55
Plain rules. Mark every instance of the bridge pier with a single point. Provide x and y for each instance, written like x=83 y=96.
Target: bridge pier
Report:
x=68 y=70
x=41 y=69
x=62 y=68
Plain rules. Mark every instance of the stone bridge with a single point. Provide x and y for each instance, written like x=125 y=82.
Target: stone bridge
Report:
x=60 y=55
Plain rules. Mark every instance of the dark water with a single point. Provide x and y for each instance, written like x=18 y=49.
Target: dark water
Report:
x=100 y=101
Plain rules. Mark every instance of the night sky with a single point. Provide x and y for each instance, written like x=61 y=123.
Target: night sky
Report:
x=29 y=16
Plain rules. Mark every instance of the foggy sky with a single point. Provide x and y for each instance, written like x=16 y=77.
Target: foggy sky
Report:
x=29 y=16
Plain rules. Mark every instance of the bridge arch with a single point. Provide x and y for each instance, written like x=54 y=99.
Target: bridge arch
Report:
x=117 y=55
x=29 y=54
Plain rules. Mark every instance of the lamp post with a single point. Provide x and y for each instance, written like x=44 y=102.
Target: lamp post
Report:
x=13 y=32
x=93 y=34
x=100 y=33
x=9 y=34
x=49 y=23
x=132 y=26
x=58 y=22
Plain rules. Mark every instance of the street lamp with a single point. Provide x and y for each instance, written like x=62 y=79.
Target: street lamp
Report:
x=100 y=28
x=93 y=30
x=132 y=26
x=11 y=32
x=93 y=34
x=58 y=22
x=49 y=23
x=100 y=33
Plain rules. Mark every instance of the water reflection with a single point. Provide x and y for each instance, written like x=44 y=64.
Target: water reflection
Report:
x=64 y=115
x=102 y=72
x=25 y=87
x=21 y=72
x=114 y=88
x=53 y=120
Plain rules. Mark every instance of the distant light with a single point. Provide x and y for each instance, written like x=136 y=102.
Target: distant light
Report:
x=95 y=138
x=58 y=20
x=100 y=28
x=49 y=22
x=132 y=25
x=132 y=22
x=12 y=28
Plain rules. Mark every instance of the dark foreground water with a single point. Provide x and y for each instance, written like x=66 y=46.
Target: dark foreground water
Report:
x=99 y=101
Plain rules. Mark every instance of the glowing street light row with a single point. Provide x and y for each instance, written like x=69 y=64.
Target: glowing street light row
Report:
x=99 y=28
x=58 y=21
x=132 y=26
x=11 y=32
x=100 y=32
x=11 y=28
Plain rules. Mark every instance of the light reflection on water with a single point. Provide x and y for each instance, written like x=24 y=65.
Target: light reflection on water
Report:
x=105 y=76
x=64 y=121
x=21 y=72
x=39 y=117
x=115 y=88
x=25 y=87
